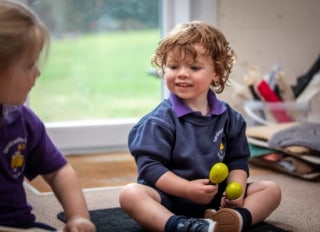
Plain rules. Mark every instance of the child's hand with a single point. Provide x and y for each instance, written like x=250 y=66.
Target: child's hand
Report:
x=200 y=192
x=226 y=203
x=79 y=224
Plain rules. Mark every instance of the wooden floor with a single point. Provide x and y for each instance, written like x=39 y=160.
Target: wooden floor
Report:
x=105 y=170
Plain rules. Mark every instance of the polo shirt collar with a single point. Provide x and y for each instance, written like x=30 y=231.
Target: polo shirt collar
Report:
x=181 y=109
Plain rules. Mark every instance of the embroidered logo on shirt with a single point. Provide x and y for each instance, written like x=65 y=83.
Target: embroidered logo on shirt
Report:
x=221 y=152
x=17 y=160
x=215 y=139
x=219 y=137
x=15 y=149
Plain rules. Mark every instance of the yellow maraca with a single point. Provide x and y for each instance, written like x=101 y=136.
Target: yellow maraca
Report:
x=233 y=190
x=218 y=173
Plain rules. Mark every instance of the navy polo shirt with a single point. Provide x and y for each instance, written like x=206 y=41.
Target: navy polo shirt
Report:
x=174 y=138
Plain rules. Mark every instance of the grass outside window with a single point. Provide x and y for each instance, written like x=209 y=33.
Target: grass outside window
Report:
x=98 y=76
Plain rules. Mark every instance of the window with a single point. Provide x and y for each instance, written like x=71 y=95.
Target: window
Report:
x=99 y=61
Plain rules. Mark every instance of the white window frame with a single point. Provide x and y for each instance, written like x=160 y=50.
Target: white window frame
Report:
x=81 y=137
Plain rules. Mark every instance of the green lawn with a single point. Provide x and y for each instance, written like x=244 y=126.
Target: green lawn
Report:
x=98 y=76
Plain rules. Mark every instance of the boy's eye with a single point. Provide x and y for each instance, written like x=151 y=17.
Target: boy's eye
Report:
x=172 y=66
x=195 y=68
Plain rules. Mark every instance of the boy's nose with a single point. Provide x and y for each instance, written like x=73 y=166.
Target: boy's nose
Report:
x=183 y=73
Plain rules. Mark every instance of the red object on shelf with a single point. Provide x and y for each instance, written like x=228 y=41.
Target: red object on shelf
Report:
x=269 y=96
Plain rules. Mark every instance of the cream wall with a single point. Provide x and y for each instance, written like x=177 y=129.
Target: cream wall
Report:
x=266 y=32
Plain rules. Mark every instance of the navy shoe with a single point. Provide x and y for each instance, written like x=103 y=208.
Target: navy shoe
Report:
x=196 y=225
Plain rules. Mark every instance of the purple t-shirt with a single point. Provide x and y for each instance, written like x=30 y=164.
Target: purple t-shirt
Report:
x=25 y=151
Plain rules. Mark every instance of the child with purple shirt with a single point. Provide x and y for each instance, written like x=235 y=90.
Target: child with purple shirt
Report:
x=25 y=148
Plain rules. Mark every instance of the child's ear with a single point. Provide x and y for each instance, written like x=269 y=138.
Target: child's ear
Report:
x=216 y=77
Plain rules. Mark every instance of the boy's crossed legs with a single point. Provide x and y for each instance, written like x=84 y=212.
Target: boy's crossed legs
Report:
x=142 y=203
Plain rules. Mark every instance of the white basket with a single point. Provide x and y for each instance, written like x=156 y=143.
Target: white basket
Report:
x=264 y=112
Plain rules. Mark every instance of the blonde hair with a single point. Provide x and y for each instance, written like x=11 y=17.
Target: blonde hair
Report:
x=21 y=33
x=183 y=38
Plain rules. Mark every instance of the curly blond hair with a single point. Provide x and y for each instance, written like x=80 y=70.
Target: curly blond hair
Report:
x=183 y=38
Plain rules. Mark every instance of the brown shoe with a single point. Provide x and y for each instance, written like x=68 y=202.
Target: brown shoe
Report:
x=228 y=220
